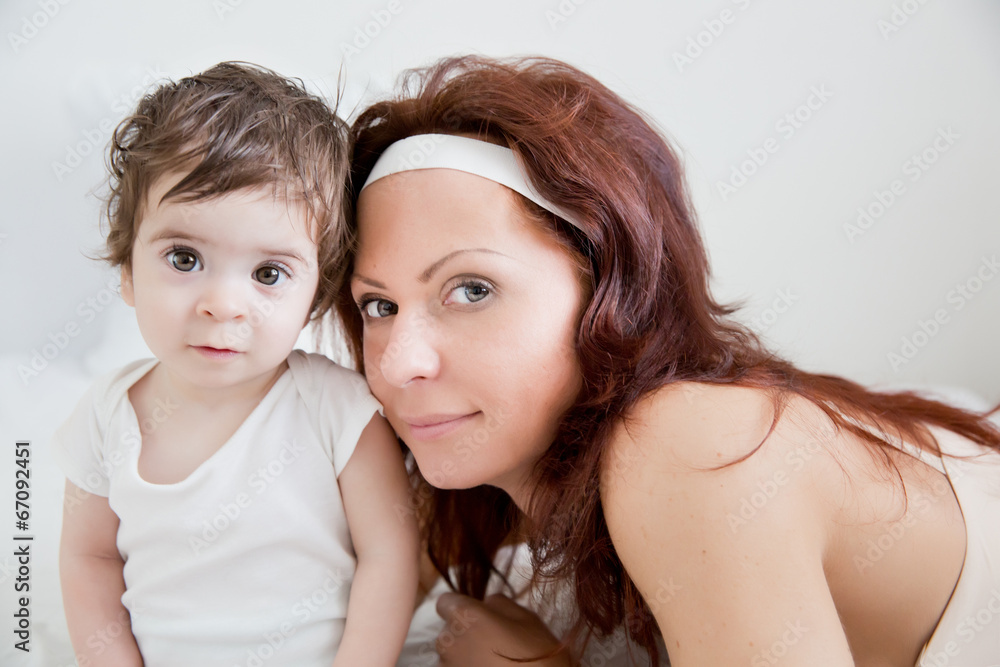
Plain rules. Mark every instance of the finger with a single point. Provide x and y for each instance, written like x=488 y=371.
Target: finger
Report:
x=460 y=613
x=450 y=604
x=505 y=606
x=443 y=645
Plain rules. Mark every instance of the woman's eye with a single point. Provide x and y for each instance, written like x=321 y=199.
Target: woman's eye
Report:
x=469 y=293
x=183 y=260
x=268 y=275
x=378 y=308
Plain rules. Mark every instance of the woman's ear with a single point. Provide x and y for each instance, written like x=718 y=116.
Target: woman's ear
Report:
x=128 y=295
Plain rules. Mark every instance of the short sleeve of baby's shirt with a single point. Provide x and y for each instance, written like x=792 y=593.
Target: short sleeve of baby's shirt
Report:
x=340 y=401
x=80 y=445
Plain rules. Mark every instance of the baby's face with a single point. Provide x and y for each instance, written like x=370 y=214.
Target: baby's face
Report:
x=222 y=287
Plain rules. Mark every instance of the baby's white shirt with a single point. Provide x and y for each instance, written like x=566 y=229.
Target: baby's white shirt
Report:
x=248 y=561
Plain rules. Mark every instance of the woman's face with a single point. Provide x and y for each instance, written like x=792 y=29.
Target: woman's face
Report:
x=470 y=316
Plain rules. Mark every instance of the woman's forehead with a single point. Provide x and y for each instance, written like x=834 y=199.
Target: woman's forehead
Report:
x=414 y=218
x=440 y=184
x=438 y=202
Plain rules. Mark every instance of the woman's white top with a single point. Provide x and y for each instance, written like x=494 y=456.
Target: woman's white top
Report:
x=968 y=634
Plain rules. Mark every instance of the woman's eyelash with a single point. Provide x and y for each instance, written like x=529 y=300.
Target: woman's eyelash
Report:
x=473 y=282
x=367 y=299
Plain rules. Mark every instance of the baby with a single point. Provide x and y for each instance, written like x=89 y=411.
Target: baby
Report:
x=232 y=501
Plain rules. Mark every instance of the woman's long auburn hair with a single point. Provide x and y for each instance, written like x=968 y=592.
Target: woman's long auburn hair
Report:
x=651 y=319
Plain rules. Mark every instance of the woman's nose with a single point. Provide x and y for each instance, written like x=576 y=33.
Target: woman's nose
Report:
x=411 y=352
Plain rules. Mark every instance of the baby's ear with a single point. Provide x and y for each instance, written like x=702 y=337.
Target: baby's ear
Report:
x=128 y=295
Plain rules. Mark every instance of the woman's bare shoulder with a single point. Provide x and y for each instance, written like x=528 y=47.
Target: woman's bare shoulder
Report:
x=697 y=483
x=697 y=426
x=699 y=433
x=693 y=424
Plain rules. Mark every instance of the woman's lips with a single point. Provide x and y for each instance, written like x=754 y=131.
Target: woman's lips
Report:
x=431 y=427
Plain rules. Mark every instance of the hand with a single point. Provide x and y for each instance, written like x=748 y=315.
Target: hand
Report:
x=475 y=632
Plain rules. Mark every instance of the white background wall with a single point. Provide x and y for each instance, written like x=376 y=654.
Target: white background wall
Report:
x=69 y=72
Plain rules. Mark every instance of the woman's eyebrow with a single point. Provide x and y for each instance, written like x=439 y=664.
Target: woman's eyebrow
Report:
x=432 y=269
x=368 y=281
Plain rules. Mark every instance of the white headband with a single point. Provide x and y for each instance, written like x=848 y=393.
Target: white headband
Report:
x=449 y=151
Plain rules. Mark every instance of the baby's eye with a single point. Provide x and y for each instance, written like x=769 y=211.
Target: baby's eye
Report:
x=183 y=260
x=268 y=275
x=471 y=292
x=379 y=308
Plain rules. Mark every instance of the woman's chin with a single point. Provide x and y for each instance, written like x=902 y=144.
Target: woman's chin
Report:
x=447 y=475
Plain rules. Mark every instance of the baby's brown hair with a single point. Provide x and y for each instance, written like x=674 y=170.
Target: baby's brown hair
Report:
x=234 y=126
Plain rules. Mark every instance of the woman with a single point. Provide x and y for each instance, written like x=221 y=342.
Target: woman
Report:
x=529 y=295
